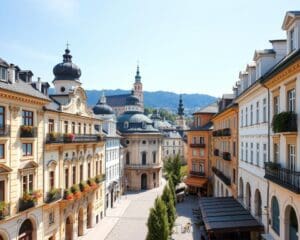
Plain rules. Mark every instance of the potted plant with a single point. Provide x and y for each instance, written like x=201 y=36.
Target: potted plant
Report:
x=26 y=131
x=76 y=191
x=4 y=211
x=53 y=194
x=84 y=187
x=68 y=195
x=92 y=183
x=53 y=136
x=69 y=137
x=36 y=195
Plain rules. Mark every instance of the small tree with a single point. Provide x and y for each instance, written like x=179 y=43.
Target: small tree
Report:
x=158 y=227
x=172 y=168
x=167 y=197
x=172 y=190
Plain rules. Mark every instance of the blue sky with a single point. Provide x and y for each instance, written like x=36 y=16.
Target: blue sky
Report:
x=185 y=46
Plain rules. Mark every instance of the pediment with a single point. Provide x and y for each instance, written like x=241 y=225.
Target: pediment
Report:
x=4 y=169
x=28 y=165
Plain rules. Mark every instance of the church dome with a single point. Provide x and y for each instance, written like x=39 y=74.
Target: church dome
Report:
x=66 y=70
x=101 y=109
x=132 y=100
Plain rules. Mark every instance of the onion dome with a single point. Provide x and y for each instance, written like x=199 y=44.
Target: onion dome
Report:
x=66 y=70
x=101 y=108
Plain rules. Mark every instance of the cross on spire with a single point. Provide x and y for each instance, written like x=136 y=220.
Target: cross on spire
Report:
x=68 y=44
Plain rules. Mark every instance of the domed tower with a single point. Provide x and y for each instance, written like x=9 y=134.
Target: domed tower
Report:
x=133 y=103
x=66 y=74
x=138 y=87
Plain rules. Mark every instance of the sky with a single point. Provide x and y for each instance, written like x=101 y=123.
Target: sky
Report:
x=183 y=46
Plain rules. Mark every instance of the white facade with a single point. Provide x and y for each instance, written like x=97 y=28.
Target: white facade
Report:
x=173 y=145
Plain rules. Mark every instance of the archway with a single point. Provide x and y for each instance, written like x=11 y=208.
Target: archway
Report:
x=241 y=190
x=69 y=228
x=144 y=181
x=248 y=197
x=275 y=215
x=89 y=216
x=80 y=222
x=291 y=223
x=26 y=231
x=257 y=200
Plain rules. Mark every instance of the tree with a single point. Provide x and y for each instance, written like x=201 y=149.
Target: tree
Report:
x=172 y=168
x=158 y=226
x=168 y=199
x=172 y=189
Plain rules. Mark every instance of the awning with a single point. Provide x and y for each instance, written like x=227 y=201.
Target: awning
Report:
x=226 y=214
x=195 y=181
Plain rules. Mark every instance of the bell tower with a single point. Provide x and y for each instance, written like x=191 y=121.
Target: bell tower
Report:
x=138 y=87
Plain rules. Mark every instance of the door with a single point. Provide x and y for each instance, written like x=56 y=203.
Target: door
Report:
x=144 y=181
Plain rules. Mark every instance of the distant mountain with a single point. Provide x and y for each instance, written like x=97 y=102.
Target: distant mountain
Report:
x=158 y=99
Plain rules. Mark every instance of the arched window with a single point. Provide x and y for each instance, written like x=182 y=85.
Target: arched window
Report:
x=126 y=124
x=144 y=158
x=127 y=158
x=275 y=215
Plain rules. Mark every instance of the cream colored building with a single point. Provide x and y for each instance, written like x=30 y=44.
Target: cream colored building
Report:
x=143 y=146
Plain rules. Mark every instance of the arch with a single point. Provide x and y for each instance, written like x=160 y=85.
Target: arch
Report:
x=291 y=223
x=80 y=222
x=69 y=228
x=27 y=230
x=248 y=196
x=275 y=214
x=144 y=181
x=89 y=213
x=241 y=189
x=258 y=205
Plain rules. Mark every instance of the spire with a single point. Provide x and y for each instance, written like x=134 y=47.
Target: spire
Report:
x=137 y=76
x=67 y=57
x=103 y=98
x=180 y=106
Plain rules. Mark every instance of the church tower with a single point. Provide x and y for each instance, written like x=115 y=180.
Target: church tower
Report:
x=138 y=87
x=180 y=120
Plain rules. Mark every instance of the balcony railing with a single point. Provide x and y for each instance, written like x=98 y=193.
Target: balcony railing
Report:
x=227 y=156
x=73 y=138
x=284 y=122
x=54 y=195
x=28 y=131
x=221 y=175
x=197 y=173
x=225 y=132
x=4 y=130
x=283 y=176
x=197 y=145
x=216 y=152
x=143 y=166
x=4 y=210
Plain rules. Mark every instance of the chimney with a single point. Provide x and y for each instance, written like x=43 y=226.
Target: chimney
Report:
x=11 y=73
x=39 y=84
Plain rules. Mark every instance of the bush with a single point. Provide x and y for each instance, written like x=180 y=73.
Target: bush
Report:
x=284 y=122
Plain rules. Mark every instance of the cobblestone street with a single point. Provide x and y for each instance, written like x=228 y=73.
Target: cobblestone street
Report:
x=127 y=221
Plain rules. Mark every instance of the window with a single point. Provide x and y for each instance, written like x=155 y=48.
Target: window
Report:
x=2 y=151
x=276 y=105
x=126 y=125
x=127 y=158
x=51 y=125
x=292 y=157
x=79 y=128
x=246 y=116
x=27 y=149
x=3 y=73
x=264 y=110
x=154 y=157
x=51 y=217
x=73 y=127
x=257 y=154
x=234 y=149
x=233 y=176
x=144 y=158
x=242 y=118
x=74 y=175
x=257 y=112
x=276 y=152
x=264 y=152
x=242 y=151
x=251 y=153
x=90 y=128
x=51 y=179
x=84 y=128
x=291 y=100
x=97 y=168
x=2 y=119
x=66 y=178
x=66 y=126
x=292 y=45
x=2 y=191
x=27 y=183
x=251 y=114
x=194 y=140
x=201 y=140
x=81 y=172
x=194 y=166
x=246 y=152
x=194 y=152
x=89 y=170
x=201 y=152
x=275 y=215
x=27 y=117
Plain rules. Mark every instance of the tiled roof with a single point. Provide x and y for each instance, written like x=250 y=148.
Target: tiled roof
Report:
x=117 y=100
x=23 y=88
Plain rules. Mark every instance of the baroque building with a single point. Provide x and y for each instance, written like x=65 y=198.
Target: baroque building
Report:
x=142 y=153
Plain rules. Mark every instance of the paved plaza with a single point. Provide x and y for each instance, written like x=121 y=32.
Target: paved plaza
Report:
x=127 y=220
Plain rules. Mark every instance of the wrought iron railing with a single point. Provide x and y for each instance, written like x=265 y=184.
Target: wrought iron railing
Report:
x=222 y=176
x=28 y=131
x=73 y=138
x=141 y=166
x=197 y=173
x=197 y=145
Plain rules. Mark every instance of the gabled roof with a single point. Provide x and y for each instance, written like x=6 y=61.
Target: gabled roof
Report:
x=289 y=18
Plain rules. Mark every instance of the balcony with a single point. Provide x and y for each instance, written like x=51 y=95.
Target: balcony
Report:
x=197 y=173
x=25 y=204
x=142 y=166
x=73 y=138
x=284 y=122
x=197 y=145
x=28 y=131
x=283 y=176
x=4 y=210
x=226 y=156
x=221 y=175
x=54 y=195
x=4 y=130
x=225 y=132
x=216 y=152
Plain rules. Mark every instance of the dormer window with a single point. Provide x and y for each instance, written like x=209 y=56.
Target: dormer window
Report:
x=126 y=124
x=292 y=35
x=3 y=74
